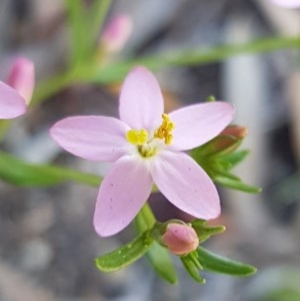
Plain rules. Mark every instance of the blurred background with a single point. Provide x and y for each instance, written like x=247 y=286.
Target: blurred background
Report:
x=47 y=242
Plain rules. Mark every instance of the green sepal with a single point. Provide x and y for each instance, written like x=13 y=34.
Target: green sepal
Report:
x=219 y=264
x=21 y=173
x=236 y=184
x=204 y=232
x=125 y=255
x=157 y=255
x=193 y=266
x=218 y=165
x=236 y=157
x=211 y=149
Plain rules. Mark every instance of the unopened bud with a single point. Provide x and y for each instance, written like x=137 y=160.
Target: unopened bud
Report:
x=22 y=78
x=180 y=239
x=236 y=131
x=230 y=137
x=116 y=33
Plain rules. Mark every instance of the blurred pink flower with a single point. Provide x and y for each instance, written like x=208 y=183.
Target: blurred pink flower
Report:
x=147 y=147
x=116 y=33
x=287 y=3
x=180 y=239
x=17 y=92
x=22 y=78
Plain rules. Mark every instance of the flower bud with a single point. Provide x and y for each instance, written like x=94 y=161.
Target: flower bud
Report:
x=116 y=33
x=239 y=132
x=230 y=137
x=180 y=239
x=22 y=79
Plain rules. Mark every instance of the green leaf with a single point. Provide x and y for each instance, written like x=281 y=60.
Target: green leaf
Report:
x=124 y=256
x=161 y=262
x=236 y=184
x=157 y=255
x=218 y=264
x=192 y=266
x=97 y=14
x=77 y=20
x=18 y=172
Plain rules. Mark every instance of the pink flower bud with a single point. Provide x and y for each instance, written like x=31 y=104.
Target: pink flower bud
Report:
x=116 y=33
x=22 y=78
x=180 y=239
x=229 y=137
x=236 y=131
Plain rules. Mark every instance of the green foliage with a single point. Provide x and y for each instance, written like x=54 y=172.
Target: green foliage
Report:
x=116 y=71
x=18 y=172
x=85 y=24
x=157 y=255
x=203 y=231
x=125 y=255
x=218 y=157
x=202 y=259
x=161 y=262
x=193 y=266
x=218 y=264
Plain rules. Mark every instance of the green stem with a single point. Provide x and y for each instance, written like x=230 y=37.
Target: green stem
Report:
x=145 y=219
x=115 y=72
x=98 y=13
x=76 y=14
x=52 y=86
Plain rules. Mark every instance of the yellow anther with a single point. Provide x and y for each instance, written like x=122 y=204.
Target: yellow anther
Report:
x=137 y=137
x=164 y=131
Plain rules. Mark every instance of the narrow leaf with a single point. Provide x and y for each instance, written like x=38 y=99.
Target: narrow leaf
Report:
x=78 y=30
x=191 y=268
x=218 y=264
x=97 y=13
x=124 y=256
x=161 y=262
x=236 y=184
x=18 y=172
x=158 y=256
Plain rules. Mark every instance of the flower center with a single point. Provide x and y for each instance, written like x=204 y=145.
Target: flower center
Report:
x=148 y=147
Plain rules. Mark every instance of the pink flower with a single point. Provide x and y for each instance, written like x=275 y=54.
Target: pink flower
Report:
x=180 y=239
x=22 y=78
x=147 y=147
x=287 y=3
x=18 y=91
x=116 y=33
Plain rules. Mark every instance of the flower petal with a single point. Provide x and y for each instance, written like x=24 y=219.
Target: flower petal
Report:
x=11 y=103
x=96 y=138
x=21 y=78
x=287 y=3
x=197 y=124
x=122 y=194
x=141 y=101
x=186 y=185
